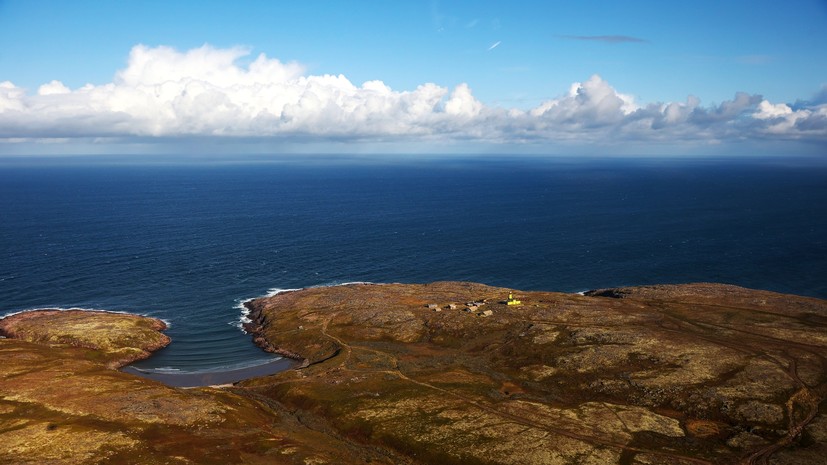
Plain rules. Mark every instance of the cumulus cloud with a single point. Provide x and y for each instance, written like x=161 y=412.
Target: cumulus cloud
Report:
x=208 y=92
x=590 y=103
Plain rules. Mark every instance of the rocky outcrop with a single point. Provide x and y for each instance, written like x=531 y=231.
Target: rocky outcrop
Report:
x=255 y=327
x=123 y=338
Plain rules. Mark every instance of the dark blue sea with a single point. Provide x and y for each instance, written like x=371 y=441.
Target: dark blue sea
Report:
x=187 y=240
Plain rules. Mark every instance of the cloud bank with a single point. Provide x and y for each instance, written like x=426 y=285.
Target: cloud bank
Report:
x=209 y=92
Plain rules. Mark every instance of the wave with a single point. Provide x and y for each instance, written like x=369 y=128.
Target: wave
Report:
x=244 y=317
x=158 y=370
x=216 y=369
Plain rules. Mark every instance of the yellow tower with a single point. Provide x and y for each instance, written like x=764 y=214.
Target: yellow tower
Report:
x=512 y=300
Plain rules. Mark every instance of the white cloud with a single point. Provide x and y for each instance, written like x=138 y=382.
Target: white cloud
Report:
x=590 y=103
x=11 y=97
x=462 y=103
x=52 y=88
x=208 y=92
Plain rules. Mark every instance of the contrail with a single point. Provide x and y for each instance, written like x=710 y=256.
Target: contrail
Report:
x=492 y=47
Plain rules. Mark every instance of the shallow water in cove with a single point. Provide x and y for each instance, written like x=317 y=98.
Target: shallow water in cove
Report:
x=188 y=241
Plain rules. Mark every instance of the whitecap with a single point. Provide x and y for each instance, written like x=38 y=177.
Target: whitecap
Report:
x=244 y=316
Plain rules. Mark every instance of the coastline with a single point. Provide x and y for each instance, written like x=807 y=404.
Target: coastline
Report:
x=75 y=335
x=10 y=313
x=18 y=325
x=402 y=369
x=255 y=328
x=256 y=320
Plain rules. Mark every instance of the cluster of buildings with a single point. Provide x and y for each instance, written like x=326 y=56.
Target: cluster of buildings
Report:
x=471 y=307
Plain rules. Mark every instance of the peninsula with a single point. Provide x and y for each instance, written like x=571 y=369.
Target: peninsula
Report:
x=441 y=373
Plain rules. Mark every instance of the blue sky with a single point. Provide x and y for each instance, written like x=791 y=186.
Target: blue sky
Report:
x=520 y=74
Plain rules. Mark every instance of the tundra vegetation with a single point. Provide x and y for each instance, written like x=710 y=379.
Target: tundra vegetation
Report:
x=670 y=374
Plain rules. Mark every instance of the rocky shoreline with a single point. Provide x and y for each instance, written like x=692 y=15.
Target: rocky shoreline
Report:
x=258 y=322
x=76 y=331
x=407 y=374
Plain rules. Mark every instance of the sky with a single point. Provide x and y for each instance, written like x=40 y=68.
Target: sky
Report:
x=542 y=77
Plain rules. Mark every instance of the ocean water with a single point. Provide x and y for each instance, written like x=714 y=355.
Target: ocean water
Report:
x=189 y=240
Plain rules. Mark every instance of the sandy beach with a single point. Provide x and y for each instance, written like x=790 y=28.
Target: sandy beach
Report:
x=214 y=378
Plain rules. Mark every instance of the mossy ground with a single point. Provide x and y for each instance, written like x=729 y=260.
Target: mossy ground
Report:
x=652 y=375
x=660 y=374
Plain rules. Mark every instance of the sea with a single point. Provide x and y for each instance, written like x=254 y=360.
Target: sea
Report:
x=189 y=239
